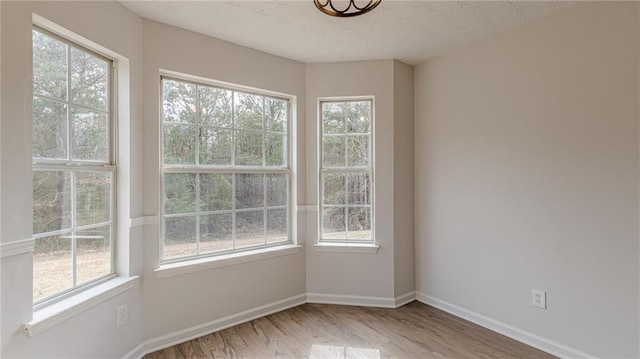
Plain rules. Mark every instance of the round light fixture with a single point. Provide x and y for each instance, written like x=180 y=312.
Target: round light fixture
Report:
x=352 y=9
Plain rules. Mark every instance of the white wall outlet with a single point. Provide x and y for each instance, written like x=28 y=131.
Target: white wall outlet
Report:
x=539 y=298
x=122 y=316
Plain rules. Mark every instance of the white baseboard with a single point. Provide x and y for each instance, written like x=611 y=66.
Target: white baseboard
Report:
x=199 y=330
x=520 y=335
x=404 y=299
x=379 y=302
x=135 y=353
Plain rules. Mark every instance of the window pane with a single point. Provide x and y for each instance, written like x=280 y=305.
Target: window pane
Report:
x=249 y=229
x=248 y=111
x=49 y=66
x=179 y=237
x=90 y=135
x=52 y=266
x=215 y=192
x=49 y=129
x=333 y=226
x=249 y=190
x=89 y=80
x=333 y=188
x=93 y=197
x=359 y=117
x=216 y=233
x=93 y=254
x=276 y=114
x=178 y=102
x=359 y=151
x=248 y=148
x=332 y=118
x=359 y=188
x=215 y=106
x=277 y=225
x=359 y=224
x=215 y=146
x=179 y=193
x=277 y=193
x=51 y=201
x=179 y=144
x=333 y=151
x=276 y=149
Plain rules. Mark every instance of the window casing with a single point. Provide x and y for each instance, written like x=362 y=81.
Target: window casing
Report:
x=226 y=175
x=74 y=171
x=346 y=174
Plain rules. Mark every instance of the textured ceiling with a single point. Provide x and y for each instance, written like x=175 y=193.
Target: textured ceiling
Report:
x=411 y=31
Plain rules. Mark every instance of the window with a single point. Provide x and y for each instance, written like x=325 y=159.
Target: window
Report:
x=226 y=174
x=73 y=167
x=346 y=171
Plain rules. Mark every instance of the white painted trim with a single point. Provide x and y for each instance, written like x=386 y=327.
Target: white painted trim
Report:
x=199 y=330
x=135 y=353
x=378 y=302
x=347 y=248
x=307 y=208
x=200 y=264
x=512 y=332
x=404 y=299
x=144 y=221
x=16 y=247
x=63 y=310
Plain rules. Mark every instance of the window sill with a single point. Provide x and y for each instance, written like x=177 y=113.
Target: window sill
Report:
x=200 y=264
x=347 y=248
x=63 y=310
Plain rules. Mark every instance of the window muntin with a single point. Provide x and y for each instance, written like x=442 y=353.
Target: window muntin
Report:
x=346 y=171
x=73 y=167
x=225 y=170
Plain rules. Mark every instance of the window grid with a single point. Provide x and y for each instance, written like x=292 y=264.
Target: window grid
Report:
x=72 y=168
x=345 y=170
x=232 y=168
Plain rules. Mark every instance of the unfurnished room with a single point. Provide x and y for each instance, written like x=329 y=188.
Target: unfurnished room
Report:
x=319 y=179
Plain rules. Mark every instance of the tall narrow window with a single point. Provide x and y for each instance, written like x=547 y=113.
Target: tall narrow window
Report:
x=226 y=172
x=73 y=167
x=346 y=171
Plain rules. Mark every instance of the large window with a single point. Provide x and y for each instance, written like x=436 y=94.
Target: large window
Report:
x=73 y=167
x=226 y=173
x=346 y=171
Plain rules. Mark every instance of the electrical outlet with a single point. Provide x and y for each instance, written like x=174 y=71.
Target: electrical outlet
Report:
x=122 y=316
x=539 y=298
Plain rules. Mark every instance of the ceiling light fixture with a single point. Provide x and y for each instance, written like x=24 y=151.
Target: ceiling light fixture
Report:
x=352 y=9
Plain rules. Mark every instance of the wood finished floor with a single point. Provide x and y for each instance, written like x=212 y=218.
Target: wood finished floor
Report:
x=322 y=331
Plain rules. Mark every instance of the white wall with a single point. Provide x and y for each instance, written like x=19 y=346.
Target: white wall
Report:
x=403 y=216
x=339 y=277
x=176 y=303
x=527 y=177
x=354 y=274
x=94 y=330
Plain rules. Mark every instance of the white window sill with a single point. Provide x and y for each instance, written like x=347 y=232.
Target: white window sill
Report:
x=200 y=264
x=63 y=310
x=348 y=248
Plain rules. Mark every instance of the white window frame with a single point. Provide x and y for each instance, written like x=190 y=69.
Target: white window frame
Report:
x=322 y=242
x=288 y=169
x=74 y=166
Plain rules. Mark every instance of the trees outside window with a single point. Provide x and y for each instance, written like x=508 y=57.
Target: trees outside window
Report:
x=225 y=170
x=73 y=167
x=346 y=171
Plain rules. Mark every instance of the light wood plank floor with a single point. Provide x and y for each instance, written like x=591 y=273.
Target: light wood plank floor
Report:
x=322 y=331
